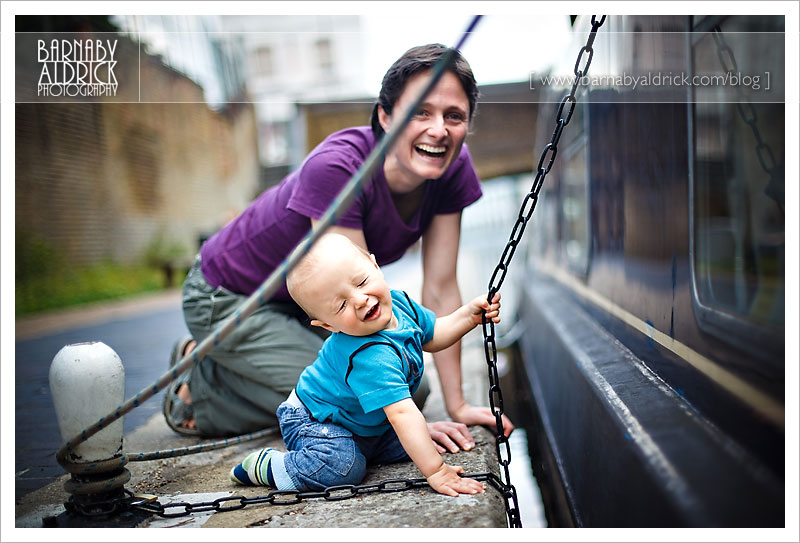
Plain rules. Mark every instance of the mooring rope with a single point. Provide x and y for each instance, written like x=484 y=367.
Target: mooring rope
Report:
x=114 y=466
x=257 y=299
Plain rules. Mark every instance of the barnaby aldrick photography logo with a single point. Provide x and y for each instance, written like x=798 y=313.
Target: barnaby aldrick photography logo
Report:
x=77 y=67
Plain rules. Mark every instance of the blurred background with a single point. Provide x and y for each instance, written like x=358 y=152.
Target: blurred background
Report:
x=114 y=195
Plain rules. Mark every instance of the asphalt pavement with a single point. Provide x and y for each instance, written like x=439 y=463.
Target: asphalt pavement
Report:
x=141 y=331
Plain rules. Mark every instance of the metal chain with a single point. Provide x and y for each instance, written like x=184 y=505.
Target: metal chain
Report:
x=150 y=504
x=289 y=497
x=749 y=117
x=100 y=508
x=265 y=291
x=525 y=212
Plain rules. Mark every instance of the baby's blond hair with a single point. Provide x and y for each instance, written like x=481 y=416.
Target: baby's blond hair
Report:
x=308 y=266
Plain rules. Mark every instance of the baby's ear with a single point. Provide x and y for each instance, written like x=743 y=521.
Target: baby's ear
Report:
x=325 y=325
x=374 y=261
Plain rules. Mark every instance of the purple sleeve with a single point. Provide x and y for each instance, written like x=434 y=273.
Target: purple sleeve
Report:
x=464 y=187
x=320 y=179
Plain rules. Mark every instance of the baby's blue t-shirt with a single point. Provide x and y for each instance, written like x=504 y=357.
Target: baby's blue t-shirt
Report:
x=353 y=378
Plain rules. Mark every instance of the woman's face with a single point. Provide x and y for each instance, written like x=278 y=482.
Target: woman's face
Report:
x=433 y=138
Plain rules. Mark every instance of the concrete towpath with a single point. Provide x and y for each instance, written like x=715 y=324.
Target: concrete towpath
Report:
x=203 y=477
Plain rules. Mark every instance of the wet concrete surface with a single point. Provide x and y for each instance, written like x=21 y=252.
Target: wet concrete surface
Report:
x=203 y=477
x=142 y=332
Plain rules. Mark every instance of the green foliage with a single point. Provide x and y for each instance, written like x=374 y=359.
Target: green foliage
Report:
x=79 y=286
x=43 y=281
x=161 y=252
x=35 y=257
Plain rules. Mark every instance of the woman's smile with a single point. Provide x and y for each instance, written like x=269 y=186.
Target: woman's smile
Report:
x=434 y=136
x=431 y=153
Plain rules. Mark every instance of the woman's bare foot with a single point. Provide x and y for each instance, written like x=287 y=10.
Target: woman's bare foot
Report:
x=183 y=390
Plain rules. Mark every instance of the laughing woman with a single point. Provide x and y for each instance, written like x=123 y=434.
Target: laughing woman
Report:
x=427 y=179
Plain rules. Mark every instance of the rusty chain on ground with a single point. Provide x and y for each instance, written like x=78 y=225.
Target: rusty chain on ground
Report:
x=502 y=483
x=288 y=497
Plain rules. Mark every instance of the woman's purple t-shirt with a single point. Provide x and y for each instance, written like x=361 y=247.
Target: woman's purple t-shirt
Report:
x=243 y=254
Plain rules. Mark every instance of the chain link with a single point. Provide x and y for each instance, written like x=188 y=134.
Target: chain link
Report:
x=747 y=113
x=291 y=497
x=343 y=492
x=526 y=211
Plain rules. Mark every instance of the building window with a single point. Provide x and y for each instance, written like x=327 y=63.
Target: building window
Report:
x=264 y=61
x=324 y=55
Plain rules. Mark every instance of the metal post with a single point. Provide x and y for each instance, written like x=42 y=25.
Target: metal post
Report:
x=87 y=380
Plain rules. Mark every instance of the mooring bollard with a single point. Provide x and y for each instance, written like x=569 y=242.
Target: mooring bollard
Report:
x=87 y=381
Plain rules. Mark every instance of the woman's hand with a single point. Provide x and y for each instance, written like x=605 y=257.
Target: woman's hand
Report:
x=482 y=416
x=450 y=436
x=454 y=436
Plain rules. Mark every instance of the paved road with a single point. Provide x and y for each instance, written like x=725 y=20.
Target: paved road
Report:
x=142 y=333
x=142 y=341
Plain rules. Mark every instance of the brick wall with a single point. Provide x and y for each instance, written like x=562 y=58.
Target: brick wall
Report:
x=106 y=180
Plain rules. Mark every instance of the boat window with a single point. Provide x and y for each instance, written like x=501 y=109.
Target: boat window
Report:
x=575 y=206
x=738 y=159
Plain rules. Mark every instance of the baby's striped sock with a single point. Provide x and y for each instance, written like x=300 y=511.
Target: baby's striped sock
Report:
x=255 y=469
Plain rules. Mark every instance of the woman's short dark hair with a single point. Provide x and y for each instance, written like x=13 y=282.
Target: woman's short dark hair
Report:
x=416 y=60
